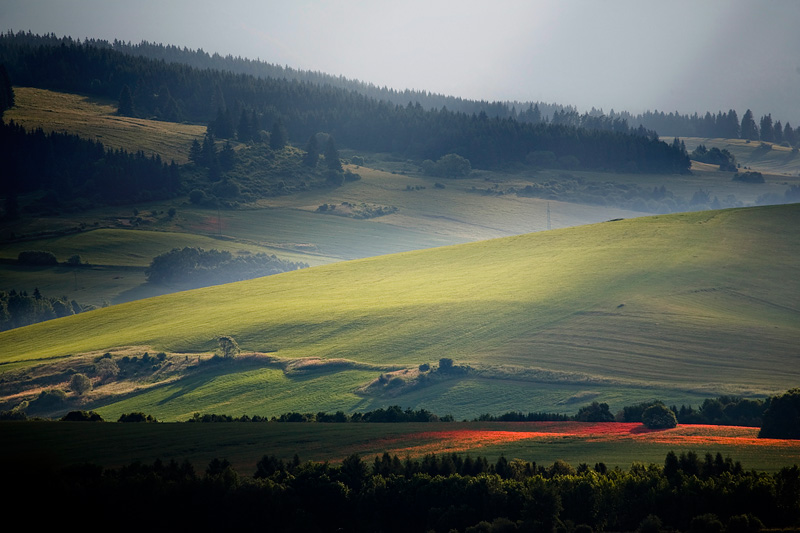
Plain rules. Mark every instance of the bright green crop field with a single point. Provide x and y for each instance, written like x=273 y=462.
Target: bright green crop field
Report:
x=676 y=307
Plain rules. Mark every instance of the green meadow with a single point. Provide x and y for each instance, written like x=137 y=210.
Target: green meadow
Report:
x=677 y=307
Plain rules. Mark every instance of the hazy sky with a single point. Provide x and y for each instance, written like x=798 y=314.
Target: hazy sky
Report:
x=684 y=55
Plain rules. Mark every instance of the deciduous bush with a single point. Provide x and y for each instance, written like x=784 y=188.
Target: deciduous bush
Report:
x=659 y=416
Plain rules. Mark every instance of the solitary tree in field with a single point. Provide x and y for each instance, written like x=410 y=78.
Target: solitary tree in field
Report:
x=80 y=384
x=228 y=346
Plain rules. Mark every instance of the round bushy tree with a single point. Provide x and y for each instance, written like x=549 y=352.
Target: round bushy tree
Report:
x=659 y=416
x=80 y=384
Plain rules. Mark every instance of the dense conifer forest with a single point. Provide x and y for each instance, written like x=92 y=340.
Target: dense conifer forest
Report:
x=668 y=124
x=172 y=91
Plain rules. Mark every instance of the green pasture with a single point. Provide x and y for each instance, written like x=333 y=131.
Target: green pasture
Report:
x=117 y=260
x=686 y=306
x=129 y=247
x=41 y=444
x=97 y=119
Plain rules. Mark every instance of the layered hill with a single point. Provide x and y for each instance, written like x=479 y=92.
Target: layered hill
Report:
x=677 y=307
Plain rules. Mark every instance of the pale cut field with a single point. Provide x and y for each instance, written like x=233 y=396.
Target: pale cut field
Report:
x=94 y=119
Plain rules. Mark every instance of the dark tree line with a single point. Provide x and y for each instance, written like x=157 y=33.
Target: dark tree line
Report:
x=440 y=493
x=200 y=267
x=6 y=90
x=356 y=120
x=68 y=167
x=724 y=125
x=19 y=309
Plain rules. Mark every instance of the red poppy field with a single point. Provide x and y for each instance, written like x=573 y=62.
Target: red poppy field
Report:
x=610 y=442
x=243 y=444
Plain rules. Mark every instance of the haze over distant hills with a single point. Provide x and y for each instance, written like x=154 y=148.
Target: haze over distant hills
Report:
x=671 y=56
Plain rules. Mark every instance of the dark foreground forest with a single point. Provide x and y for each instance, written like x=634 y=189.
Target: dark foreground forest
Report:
x=437 y=493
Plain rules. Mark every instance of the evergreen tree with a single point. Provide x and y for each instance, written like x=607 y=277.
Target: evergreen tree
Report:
x=6 y=91
x=245 y=130
x=125 y=106
x=218 y=99
x=777 y=132
x=227 y=157
x=208 y=154
x=749 y=129
x=312 y=152
x=332 y=155
x=789 y=135
x=196 y=152
x=277 y=138
x=767 y=133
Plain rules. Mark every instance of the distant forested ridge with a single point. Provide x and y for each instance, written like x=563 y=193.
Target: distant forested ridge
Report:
x=164 y=90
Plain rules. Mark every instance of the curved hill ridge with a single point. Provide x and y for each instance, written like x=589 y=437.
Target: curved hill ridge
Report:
x=677 y=305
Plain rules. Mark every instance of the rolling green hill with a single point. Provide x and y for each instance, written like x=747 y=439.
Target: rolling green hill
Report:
x=677 y=307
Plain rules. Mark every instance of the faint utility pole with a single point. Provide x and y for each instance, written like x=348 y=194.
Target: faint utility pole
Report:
x=548 y=215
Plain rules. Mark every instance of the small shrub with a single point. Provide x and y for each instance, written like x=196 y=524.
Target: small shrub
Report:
x=50 y=398
x=136 y=417
x=81 y=416
x=748 y=177
x=228 y=346
x=197 y=196
x=445 y=364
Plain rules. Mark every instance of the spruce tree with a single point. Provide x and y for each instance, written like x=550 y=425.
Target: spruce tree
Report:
x=749 y=129
x=6 y=91
x=125 y=106
x=312 y=152
x=332 y=155
x=766 y=128
x=277 y=138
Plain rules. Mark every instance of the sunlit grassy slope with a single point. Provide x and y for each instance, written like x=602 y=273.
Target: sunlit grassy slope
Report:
x=94 y=119
x=678 y=307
